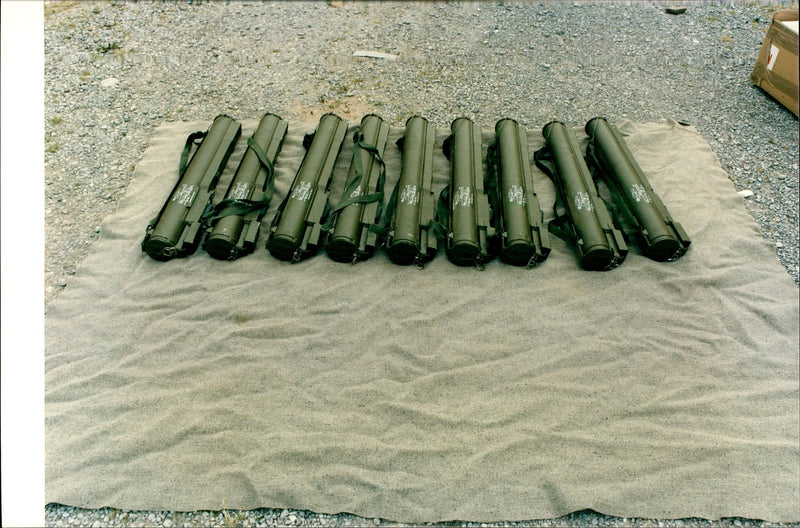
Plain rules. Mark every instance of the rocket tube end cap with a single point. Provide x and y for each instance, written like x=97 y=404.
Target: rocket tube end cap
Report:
x=664 y=249
x=282 y=247
x=598 y=258
x=462 y=119
x=159 y=248
x=518 y=253
x=341 y=249
x=464 y=254
x=415 y=116
x=220 y=247
x=547 y=126
x=504 y=120
x=591 y=124
x=371 y=114
x=403 y=252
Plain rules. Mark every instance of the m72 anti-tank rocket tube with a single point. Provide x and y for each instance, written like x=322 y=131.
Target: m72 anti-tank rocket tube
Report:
x=297 y=227
x=352 y=238
x=524 y=241
x=586 y=221
x=411 y=238
x=236 y=220
x=467 y=223
x=662 y=238
x=177 y=229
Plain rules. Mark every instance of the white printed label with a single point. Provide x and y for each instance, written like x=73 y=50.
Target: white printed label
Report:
x=639 y=193
x=463 y=197
x=409 y=195
x=185 y=195
x=240 y=191
x=582 y=201
x=303 y=192
x=773 y=55
x=356 y=192
x=516 y=195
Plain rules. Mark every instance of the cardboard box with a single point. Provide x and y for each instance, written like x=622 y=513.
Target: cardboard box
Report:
x=776 y=69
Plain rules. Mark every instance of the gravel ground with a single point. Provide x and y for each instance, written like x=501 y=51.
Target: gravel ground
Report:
x=114 y=71
x=57 y=515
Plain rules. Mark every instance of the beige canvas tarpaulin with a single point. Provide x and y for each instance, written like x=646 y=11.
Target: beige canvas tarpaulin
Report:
x=657 y=389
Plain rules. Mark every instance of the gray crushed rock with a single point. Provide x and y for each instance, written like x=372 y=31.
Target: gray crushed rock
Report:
x=57 y=515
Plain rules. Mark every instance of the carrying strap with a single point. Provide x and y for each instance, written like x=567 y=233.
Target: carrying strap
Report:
x=615 y=203
x=269 y=168
x=230 y=206
x=561 y=224
x=491 y=182
x=543 y=159
x=349 y=196
x=190 y=140
x=382 y=227
x=241 y=207
x=273 y=225
x=441 y=218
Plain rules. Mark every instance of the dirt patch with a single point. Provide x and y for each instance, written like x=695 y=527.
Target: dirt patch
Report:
x=351 y=108
x=58 y=6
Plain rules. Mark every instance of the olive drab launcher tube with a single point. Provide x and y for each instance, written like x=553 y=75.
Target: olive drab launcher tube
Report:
x=236 y=220
x=411 y=238
x=177 y=229
x=297 y=227
x=586 y=221
x=467 y=223
x=352 y=238
x=519 y=223
x=662 y=238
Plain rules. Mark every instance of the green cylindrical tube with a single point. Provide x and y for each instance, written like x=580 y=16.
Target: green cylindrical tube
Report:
x=579 y=196
x=515 y=213
x=610 y=152
x=176 y=231
x=351 y=238
x=574 y=174
x=466 y=170
x=523 y=238
x=235 y=235
x=410 y=239
x=297 y=231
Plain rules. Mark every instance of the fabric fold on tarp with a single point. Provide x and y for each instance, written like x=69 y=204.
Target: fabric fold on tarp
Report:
x=662 y=390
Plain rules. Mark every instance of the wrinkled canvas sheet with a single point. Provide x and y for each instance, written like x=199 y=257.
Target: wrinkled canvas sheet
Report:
x=656 y=389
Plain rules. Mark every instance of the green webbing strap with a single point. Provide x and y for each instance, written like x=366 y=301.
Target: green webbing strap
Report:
x=561 y=225
x=241 y=207
x=269 y=182
x=184 y=161
x=382 y=227
x=622 y=218
x=276 y=219
x=442 y=214
x=543 y=159
x=591 y=158
x=347 y=196
x=190 y=140
x=492 y=181
x=232 y=206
